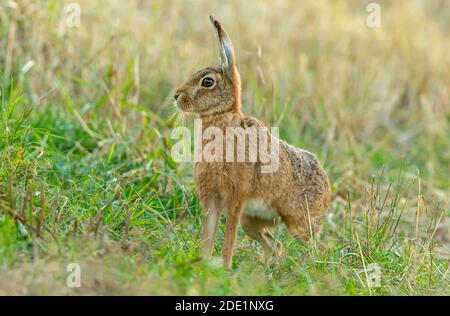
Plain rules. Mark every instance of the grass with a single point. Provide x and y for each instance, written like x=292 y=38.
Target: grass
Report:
x=86 y=174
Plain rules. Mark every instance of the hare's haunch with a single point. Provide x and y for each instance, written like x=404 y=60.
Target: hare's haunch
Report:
x=297 y=190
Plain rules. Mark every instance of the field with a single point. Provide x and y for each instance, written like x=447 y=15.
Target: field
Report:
x=86 y=174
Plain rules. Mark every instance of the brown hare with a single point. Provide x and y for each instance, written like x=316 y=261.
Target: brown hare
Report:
x=297 y=192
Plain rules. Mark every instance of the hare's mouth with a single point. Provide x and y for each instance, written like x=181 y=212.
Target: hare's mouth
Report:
x=184 y=104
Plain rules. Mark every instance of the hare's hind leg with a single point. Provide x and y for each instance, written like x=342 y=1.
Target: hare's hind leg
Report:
x=261 y=231
x=303 y=227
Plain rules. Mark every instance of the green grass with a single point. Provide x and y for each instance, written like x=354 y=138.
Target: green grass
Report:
x=86 y=174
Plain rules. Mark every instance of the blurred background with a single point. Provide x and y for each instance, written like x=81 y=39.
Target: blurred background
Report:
x=92 y=99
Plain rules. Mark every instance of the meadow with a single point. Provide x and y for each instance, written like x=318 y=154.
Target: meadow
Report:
x=87 y=177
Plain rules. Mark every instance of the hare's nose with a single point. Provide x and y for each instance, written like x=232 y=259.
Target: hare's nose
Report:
x=176 y=95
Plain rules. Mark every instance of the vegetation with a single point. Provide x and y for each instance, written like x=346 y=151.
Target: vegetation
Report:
x=86 y=174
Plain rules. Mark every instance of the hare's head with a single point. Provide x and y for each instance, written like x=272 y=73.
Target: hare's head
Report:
x=213 y=90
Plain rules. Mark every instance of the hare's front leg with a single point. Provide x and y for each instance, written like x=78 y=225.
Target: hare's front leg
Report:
x=233 y=216
x=211 y=208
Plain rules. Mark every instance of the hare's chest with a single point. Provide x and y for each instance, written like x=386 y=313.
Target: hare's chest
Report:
x=211 y=176
x=228 y=179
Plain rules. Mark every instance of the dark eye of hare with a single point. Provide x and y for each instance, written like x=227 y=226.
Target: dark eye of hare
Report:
x=207 y=82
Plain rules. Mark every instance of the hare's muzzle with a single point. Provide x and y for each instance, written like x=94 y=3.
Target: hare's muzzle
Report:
x=181 y=101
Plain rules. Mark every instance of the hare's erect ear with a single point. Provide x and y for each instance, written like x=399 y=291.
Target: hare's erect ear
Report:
x=226 y=47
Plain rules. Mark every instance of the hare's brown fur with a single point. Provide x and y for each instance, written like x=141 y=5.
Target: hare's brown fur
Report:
x=298 y=192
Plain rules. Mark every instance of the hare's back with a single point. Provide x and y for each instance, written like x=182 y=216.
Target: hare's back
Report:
x=306 y=169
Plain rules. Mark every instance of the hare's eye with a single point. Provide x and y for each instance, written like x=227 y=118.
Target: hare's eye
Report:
x=207 y=82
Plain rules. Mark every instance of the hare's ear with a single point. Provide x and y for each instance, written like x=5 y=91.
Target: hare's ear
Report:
x=226 y=48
